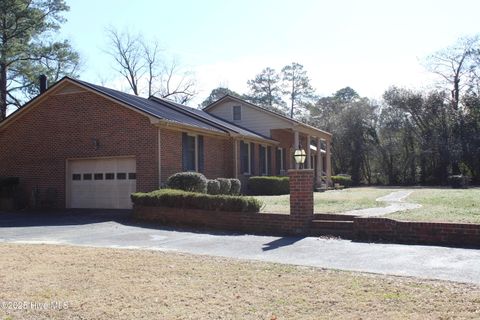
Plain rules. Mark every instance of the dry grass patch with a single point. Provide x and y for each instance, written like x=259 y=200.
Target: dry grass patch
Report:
x=134 y=284
x=332 y=201
x=443 y=205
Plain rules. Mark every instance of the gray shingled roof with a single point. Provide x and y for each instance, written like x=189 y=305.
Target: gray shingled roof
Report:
x=171 y=111
x=151 y=107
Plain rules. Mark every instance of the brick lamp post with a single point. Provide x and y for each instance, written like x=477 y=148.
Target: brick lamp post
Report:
x=301 y=188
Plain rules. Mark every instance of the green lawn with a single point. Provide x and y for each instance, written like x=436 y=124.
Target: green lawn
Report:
x=443 y=205
x=331 y=201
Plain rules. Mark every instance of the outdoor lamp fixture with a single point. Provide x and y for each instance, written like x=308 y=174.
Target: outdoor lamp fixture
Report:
x=300 y=156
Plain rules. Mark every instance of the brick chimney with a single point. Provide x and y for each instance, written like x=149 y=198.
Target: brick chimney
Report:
x=43 y=83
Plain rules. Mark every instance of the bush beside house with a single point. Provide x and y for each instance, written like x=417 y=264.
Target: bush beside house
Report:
x=225 y=185
x=344 y=180
x=197 y=182
x=213 y=187
x=236 y=186
x=188 y=181
x=268 y=185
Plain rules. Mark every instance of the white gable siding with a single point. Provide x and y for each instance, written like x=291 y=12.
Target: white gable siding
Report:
x=253 y=119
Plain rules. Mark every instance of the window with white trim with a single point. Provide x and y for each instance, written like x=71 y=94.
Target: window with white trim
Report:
x=191 y=149
x=237 y=113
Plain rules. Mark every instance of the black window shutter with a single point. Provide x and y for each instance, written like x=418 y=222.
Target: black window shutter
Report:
x=261 y=160
x=201 y=156
x=269 y=160
x=284 y=151
x=252 y=158
x=242 y=157
x=184 y=151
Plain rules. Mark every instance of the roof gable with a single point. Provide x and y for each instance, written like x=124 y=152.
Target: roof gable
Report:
x=248 y=104
x=210 y=118
x=279 y=117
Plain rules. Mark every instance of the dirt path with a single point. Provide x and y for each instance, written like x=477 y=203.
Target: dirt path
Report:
x=395 y=201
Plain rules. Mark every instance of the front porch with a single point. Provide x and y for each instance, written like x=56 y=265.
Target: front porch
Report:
x=317 y=145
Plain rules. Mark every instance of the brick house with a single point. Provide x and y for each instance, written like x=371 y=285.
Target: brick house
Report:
x=87 y=146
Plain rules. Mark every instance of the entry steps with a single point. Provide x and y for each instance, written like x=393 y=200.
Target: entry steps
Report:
x=335 y=225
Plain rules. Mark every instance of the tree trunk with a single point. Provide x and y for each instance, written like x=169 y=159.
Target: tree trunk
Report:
x=3 y=91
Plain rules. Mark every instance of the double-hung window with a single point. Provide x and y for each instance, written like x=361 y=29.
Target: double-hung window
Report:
x=192 y=152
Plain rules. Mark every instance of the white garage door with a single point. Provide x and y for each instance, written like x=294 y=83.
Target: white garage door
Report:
x=101 y=183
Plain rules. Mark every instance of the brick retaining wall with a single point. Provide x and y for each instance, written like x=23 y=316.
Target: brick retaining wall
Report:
x=364 y=229
x=429 y=233
x=256 y=223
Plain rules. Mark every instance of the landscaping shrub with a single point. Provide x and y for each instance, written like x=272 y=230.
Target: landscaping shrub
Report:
x=268 y=185
x=344 y=180
x=235 y=187
x=188 y=181
x=225 y=185
x=459 y=181
x=192 y=200
x=213 y=187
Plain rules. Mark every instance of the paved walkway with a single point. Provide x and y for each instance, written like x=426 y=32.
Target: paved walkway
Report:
x=395 y=200
x=116 y=231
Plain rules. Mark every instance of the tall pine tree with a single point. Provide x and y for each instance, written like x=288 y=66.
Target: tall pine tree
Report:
x=27 y=29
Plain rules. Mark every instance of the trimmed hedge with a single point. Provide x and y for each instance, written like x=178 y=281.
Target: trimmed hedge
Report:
x=343 y=180
x=225 y=185
x=192 y=200
x=236 y=186
x=213 y=187
x=269 y=185
x=188 y=181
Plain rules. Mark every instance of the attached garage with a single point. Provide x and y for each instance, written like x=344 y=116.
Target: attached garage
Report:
x=104 y=183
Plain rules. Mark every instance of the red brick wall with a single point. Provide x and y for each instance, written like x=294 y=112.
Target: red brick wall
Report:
x=170 y=153
x=262 y=223
x=366 y=229
x=431 y=233
x=36 y=145
x=285 y=137
x=301 y=192
x=218 y=157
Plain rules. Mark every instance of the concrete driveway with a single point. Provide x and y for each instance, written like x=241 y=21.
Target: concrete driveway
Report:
x=115 y=229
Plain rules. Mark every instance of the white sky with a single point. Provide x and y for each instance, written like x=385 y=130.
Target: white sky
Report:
x=368 y=45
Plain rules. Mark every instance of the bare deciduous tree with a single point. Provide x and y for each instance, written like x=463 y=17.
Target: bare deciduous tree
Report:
x=141 y=64
x=127 y=52
x=176 y=84
x=457 y=65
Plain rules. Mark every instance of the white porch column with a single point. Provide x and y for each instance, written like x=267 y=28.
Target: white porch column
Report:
x=296 y=145
x=318 y=178
x=329 y=161
x=309 y=154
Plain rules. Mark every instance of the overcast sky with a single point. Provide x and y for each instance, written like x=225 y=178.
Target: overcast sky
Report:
x=368 y=45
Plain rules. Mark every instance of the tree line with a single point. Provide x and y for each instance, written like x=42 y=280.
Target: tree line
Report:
x=408 y=137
